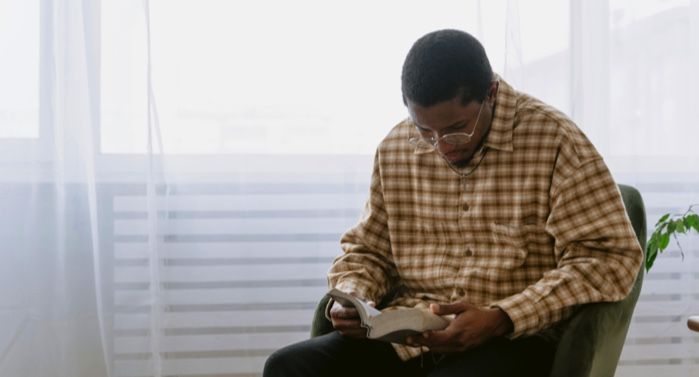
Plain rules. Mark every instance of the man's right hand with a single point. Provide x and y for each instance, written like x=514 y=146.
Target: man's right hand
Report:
x=346 y=321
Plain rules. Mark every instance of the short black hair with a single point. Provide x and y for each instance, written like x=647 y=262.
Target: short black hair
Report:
x=444 y=64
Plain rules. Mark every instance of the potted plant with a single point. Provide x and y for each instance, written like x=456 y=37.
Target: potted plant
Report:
x=670 y=225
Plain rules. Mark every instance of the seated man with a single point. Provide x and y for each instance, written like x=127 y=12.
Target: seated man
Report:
x=485 y=204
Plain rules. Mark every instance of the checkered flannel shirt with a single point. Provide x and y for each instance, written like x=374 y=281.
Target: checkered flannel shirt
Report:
x=534 y=224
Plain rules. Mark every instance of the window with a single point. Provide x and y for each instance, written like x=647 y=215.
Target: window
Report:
x=236 y=78
x=19 y=70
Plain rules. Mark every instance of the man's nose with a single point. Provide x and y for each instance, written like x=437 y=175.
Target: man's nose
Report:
x=445 y=147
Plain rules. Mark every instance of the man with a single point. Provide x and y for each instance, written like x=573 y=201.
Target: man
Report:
x=485 y=204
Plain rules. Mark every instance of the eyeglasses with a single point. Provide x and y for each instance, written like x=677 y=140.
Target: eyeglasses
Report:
x=455 y=138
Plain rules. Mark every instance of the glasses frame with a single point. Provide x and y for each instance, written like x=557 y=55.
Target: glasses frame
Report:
x=454 y=138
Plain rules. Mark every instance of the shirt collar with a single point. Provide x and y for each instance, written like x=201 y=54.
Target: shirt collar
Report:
x=503 y=122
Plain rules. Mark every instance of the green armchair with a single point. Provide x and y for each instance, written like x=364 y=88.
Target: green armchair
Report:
x=592 y=340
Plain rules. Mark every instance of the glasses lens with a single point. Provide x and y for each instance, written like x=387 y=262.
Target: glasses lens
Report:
x=429 y=142
x=456 y=139
x=421 y=142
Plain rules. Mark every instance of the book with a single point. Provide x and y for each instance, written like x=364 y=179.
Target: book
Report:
x=392 y=325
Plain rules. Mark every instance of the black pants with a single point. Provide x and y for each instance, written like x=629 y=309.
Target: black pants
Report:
x=335 y=355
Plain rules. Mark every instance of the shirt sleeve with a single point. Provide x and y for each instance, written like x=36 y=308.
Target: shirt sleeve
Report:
x=366 y=265
x=597 y=252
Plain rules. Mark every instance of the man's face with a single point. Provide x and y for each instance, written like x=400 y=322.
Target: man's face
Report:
x=454 y=117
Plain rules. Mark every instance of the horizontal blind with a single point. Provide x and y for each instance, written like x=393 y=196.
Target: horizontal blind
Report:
x=242 y=269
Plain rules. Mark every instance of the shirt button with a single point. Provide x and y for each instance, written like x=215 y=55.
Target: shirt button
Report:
x=465 y=207
x=469 y=252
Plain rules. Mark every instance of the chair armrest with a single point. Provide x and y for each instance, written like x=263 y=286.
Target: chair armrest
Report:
x=593 y=338
x=321 y=325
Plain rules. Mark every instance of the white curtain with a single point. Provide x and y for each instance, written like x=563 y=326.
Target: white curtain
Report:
x=175 y=175
x=52 y=319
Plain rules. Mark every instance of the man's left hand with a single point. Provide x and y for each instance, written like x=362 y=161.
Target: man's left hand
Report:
x=471 y=327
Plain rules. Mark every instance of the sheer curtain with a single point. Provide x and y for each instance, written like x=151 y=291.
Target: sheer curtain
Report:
x=52 y=320
x=176 y=174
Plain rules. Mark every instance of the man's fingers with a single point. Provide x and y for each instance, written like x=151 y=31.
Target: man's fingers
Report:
x=452 y=308
x=346 y=324
x=346 y=321
x=345 y=313
x=349 y=327
x=338 y=311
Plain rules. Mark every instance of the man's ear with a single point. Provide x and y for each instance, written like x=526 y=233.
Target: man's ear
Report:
x=493 y=91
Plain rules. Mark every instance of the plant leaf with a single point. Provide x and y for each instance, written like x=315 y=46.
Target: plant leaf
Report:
x=671 y=227
x=663 y=241
x=679 y=226
x=663 y=218
x=651 y=252
x=667 y=227
x=692 y=221
x=652 y=240
x=650 y=259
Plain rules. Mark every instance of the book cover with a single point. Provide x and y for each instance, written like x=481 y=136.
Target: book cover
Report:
x=393 y=324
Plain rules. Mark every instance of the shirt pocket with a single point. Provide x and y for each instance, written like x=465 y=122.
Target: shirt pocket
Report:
x=506 y=249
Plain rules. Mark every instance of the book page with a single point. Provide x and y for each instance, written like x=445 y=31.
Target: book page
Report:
x=365 y=310
x=394 y=325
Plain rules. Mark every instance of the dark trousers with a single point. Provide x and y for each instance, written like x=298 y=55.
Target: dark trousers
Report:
x=335 y=355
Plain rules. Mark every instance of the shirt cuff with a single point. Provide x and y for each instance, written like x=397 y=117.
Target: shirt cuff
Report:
x=522 y=312
x=363 y=291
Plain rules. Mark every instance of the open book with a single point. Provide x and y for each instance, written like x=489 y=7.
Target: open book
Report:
x=392 y=325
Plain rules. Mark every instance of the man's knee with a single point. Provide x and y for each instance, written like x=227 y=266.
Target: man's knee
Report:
x=277 y=363
x=307 y=358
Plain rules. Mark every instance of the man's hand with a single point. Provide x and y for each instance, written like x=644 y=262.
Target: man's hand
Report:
x=471 y=327
x=346 y=320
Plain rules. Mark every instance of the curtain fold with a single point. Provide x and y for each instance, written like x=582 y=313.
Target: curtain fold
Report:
x=52 y=254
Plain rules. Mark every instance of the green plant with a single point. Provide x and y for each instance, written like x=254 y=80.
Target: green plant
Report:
x=670 y=225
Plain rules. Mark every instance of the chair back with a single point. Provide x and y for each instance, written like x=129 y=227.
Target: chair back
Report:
x=593 y=338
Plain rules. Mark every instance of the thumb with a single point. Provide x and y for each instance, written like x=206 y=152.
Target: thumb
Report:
x=372 y=304
x=451 y=308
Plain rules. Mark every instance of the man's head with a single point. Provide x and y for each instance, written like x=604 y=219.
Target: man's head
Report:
x=444 y=64
x=448 y=87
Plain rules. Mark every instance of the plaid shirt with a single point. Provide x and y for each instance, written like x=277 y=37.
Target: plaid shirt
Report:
x=534 y=224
